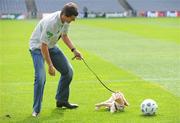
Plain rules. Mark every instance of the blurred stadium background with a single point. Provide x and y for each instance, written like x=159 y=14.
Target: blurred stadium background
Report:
x=22 y=9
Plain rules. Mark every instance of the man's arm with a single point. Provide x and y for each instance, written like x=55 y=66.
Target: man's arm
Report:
x=45 y=53
x=71 y=46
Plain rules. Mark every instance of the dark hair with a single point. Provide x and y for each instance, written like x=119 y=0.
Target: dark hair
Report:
x=70 y=9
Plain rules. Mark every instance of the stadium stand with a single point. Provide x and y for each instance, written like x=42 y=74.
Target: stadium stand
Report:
x=155 y=5
x=12 y=6
x=94 y=8
x=92 y=5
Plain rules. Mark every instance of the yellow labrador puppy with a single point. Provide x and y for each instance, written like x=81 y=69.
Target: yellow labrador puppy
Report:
x=116 y=102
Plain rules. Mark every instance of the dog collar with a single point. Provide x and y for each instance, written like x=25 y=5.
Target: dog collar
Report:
x=115 y=106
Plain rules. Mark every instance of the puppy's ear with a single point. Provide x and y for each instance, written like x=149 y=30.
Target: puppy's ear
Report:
x=125 y=101
x=120 y=101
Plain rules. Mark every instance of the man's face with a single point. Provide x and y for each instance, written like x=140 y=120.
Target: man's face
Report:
x=69 y=19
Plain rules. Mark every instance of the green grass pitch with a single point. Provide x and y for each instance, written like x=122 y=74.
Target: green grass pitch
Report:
x=138 y=56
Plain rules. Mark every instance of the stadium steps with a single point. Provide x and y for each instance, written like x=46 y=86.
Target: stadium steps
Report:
x=31 y=8
x=126 y=6
x=12 y=7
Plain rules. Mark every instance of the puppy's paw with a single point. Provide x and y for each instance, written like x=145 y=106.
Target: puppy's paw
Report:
x=97 y=108
x=112 y=111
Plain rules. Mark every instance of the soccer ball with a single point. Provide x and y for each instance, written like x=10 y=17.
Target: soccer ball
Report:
x=149 y=107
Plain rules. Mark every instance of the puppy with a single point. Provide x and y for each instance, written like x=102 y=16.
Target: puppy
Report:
x=116 y=102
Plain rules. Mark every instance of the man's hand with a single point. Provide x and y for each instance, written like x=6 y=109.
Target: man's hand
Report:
x=69 y=43
x=45 y=53
x=77 y=54
x=51 y=70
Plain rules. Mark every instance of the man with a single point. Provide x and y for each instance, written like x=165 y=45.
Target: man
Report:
x=85 y=10
x=43 y=48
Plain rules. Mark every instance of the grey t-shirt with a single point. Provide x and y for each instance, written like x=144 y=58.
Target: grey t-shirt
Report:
x=48 y=31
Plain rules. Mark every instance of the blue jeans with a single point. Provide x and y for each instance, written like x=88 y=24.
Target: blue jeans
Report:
x=62 y=65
